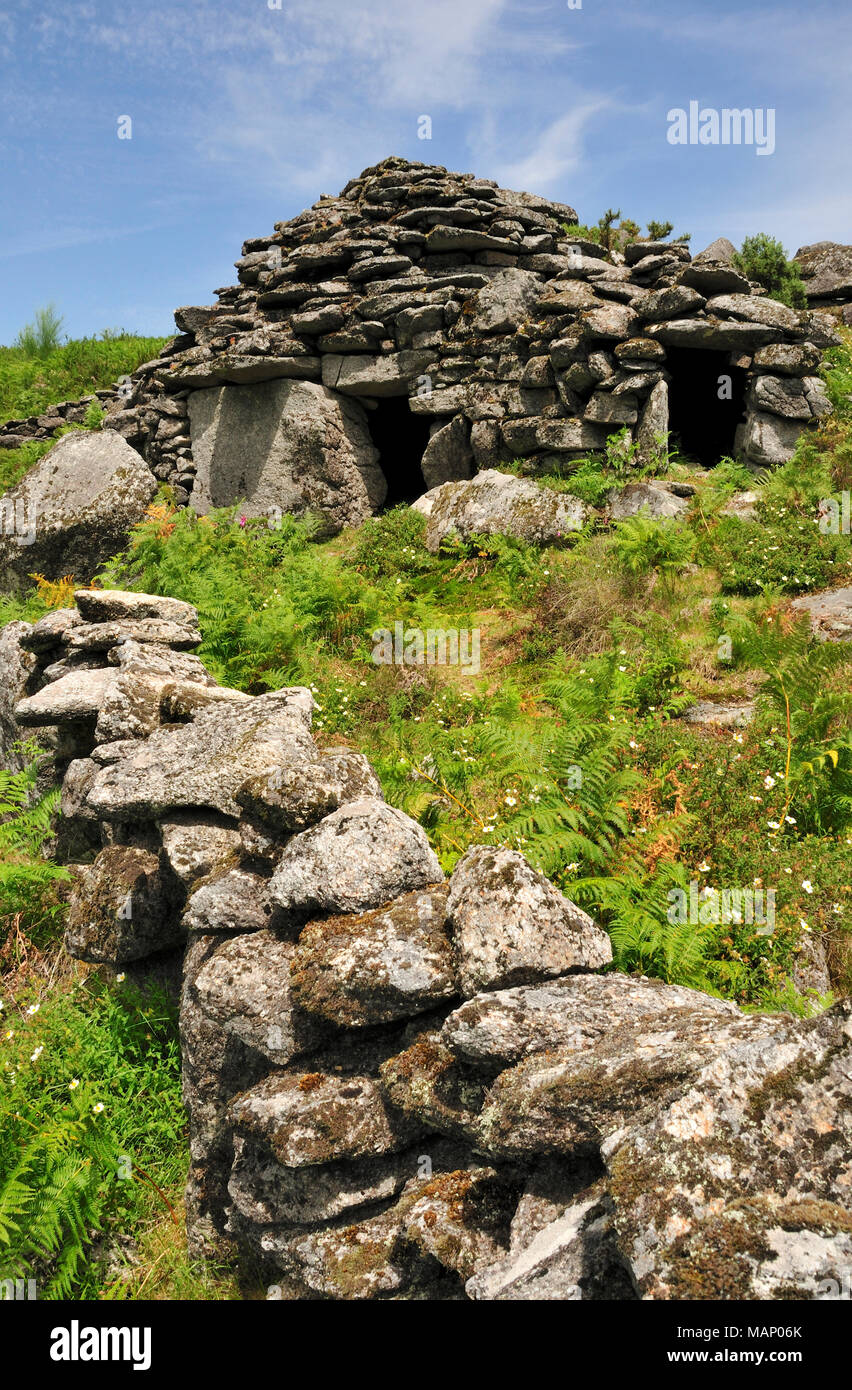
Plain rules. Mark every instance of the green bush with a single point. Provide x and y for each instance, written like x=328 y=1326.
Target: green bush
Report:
x=782 y=550
x=29 y=906
x=763 y=258
x=642 y=545
x=43 y=336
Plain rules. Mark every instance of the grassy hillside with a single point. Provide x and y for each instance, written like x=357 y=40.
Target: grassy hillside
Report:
x=31 y=381
x=569 y=744
x=35 y=375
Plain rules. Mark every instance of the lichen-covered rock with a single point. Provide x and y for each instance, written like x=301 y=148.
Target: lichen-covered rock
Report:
x=315 y=1117
x=564 y=1100
x=378 y=966
x=499 y=502
x=76 y=698
x=299 y=792
x=511 y=926
x=769 y=440
x=231 y=899
x=206 y=762
x=461 y=1219
x=266 y=1193
x=727 y=716
x=448 y=456
x=427 y=1081
x=101 y=637
x=197 y=843
x=354 y=775
x=830 y=613
x=826 y=269
x=670 y=303
x=787 y=359
x=713 y=270
x=577 y=1011
x=244 y=986
x=17 y=665
x=650 y=499
x=563 y=1244
x=781 y=395
x=121 y=908
x=615 y=322
x=505 y=301
x=74 y=508
x=738 y=1186
x=131 y=706
x=290 y=797
x=359 y=857
x=755 y=310
x=78 y=837
x=368 y=1260
x=215 y=1065
x=652 y=434
x=53 y=630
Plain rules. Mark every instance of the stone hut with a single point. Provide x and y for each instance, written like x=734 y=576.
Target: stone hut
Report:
x=425 y=325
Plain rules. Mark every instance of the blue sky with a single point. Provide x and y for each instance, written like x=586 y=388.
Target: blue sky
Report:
x=243 y=114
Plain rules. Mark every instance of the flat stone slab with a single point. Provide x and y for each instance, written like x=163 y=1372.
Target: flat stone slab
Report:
x=727 y=716
x=576 y=1011
x=830 y=614
x=204 y=763
x=77 y=696
x=100 y=637
x=124 y=605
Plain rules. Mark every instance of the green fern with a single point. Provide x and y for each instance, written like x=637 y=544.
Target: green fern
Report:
x=52 y=1201
x=811 y=715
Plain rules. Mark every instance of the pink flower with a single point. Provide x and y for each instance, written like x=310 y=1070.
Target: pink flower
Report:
x=243 y=520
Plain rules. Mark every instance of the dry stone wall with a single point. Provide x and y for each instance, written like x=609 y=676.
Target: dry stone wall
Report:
x=14 y=433
x=401 y=1086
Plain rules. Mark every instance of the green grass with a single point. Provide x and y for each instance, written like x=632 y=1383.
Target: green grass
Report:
x=30 y=381
x=93 y=1135
x=590 y=654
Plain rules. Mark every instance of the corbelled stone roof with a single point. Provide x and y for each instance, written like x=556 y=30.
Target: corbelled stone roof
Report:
x=479 y=305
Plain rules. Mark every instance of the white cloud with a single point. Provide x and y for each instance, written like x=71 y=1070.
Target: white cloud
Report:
x=558 y=150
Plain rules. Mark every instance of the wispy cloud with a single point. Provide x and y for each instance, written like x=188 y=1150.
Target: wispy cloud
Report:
x=556 y=151
x=63 y=238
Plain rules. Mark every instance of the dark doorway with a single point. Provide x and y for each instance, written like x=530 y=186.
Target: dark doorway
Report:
x=706 y=403
x=401 y=440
